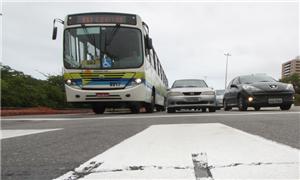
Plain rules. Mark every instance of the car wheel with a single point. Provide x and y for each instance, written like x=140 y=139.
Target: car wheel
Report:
x=226 y=107
x=242 y=104
x=212 y=109
x=98 y=108
x=203 y=109
x=285 y=107
x=257 y=108
x=170 y=110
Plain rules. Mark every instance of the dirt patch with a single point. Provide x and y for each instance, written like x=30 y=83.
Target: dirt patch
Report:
x=40 y=110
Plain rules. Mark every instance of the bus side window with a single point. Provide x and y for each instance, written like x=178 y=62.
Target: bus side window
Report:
x=146 y=49
x=151 y=57
x=154 y=61
x=158 y=67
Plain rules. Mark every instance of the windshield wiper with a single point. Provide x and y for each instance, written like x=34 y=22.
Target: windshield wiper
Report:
x=108 y=42
x=113 y=34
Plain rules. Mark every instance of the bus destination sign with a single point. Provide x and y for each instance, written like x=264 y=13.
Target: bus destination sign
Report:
x=102 y=19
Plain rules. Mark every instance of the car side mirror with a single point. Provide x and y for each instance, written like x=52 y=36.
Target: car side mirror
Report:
x=54 y=33
x=233 y=86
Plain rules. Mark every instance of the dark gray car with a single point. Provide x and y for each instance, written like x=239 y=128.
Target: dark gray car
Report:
x=258 y=91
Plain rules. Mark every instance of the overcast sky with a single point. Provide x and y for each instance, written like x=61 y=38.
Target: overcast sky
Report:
x=190 y=37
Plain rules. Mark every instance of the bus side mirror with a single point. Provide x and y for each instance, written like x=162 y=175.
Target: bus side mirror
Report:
x=54 y=33
x=149 y=43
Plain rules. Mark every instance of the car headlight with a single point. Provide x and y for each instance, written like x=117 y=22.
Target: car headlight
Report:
x=174 y=94
x=290 y=87
x=250 y=88
x=208 y=93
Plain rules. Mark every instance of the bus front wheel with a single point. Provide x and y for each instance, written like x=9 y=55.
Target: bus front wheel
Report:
x=150 y=107
x=98 y=108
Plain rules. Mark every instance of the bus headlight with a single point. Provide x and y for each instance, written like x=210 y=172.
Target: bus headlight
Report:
x=135 y=82
x=138 y=81
x=69 y=82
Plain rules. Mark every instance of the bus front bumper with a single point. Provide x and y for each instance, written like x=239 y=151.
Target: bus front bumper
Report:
x=137 y=93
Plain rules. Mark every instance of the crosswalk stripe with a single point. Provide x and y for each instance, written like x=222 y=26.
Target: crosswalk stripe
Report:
x=165 y=152
x=16 y=133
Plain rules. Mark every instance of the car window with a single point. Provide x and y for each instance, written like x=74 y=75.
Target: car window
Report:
x=189 y=83
x=236 y=81
x=256 y=78
x=228 y=87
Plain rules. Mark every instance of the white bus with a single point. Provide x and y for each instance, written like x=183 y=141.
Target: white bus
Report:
x=110 y=62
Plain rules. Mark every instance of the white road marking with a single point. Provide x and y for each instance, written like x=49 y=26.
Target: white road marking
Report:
x=154 y=116
x=164 y=152
x=15 y=133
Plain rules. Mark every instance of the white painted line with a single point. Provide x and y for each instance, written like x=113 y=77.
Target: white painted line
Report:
x=15 y=133
x=164 y=152
x=138 y=116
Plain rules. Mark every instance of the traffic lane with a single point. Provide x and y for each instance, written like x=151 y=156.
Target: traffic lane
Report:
x=48 y=155
x=254 y=122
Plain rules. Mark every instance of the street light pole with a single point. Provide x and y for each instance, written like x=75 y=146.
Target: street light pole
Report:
x=226 y=54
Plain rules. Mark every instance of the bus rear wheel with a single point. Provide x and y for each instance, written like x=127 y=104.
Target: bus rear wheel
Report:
x=98 y=108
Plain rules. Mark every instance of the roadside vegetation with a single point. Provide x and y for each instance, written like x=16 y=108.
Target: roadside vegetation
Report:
x=21 y=90
x=295 y=80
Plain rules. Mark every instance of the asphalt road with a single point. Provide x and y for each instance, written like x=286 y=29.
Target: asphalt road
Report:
x=79 y=137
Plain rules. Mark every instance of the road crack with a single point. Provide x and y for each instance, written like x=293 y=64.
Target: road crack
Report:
x=252 y=164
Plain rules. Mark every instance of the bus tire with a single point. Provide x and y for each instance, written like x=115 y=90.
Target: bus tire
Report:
x=98 y=108
x=151 y=105
x=135 y=109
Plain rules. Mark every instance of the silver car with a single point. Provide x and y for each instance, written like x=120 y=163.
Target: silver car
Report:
x=191 y=94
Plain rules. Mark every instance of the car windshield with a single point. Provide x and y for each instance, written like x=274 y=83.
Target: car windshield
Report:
x=256 y=78
x=220 y=92
x=189 y=83
x=102 y=48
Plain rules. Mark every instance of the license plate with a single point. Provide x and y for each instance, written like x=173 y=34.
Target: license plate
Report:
x=192 y=99
x=275 y=100
x=102 y=94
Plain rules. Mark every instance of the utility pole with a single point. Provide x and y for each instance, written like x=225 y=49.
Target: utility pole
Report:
x=226 y=54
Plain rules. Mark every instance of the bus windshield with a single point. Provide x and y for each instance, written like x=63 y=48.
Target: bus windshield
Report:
x=102 y=48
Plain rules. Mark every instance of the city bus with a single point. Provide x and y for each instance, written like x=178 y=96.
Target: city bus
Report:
x=109 y=61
